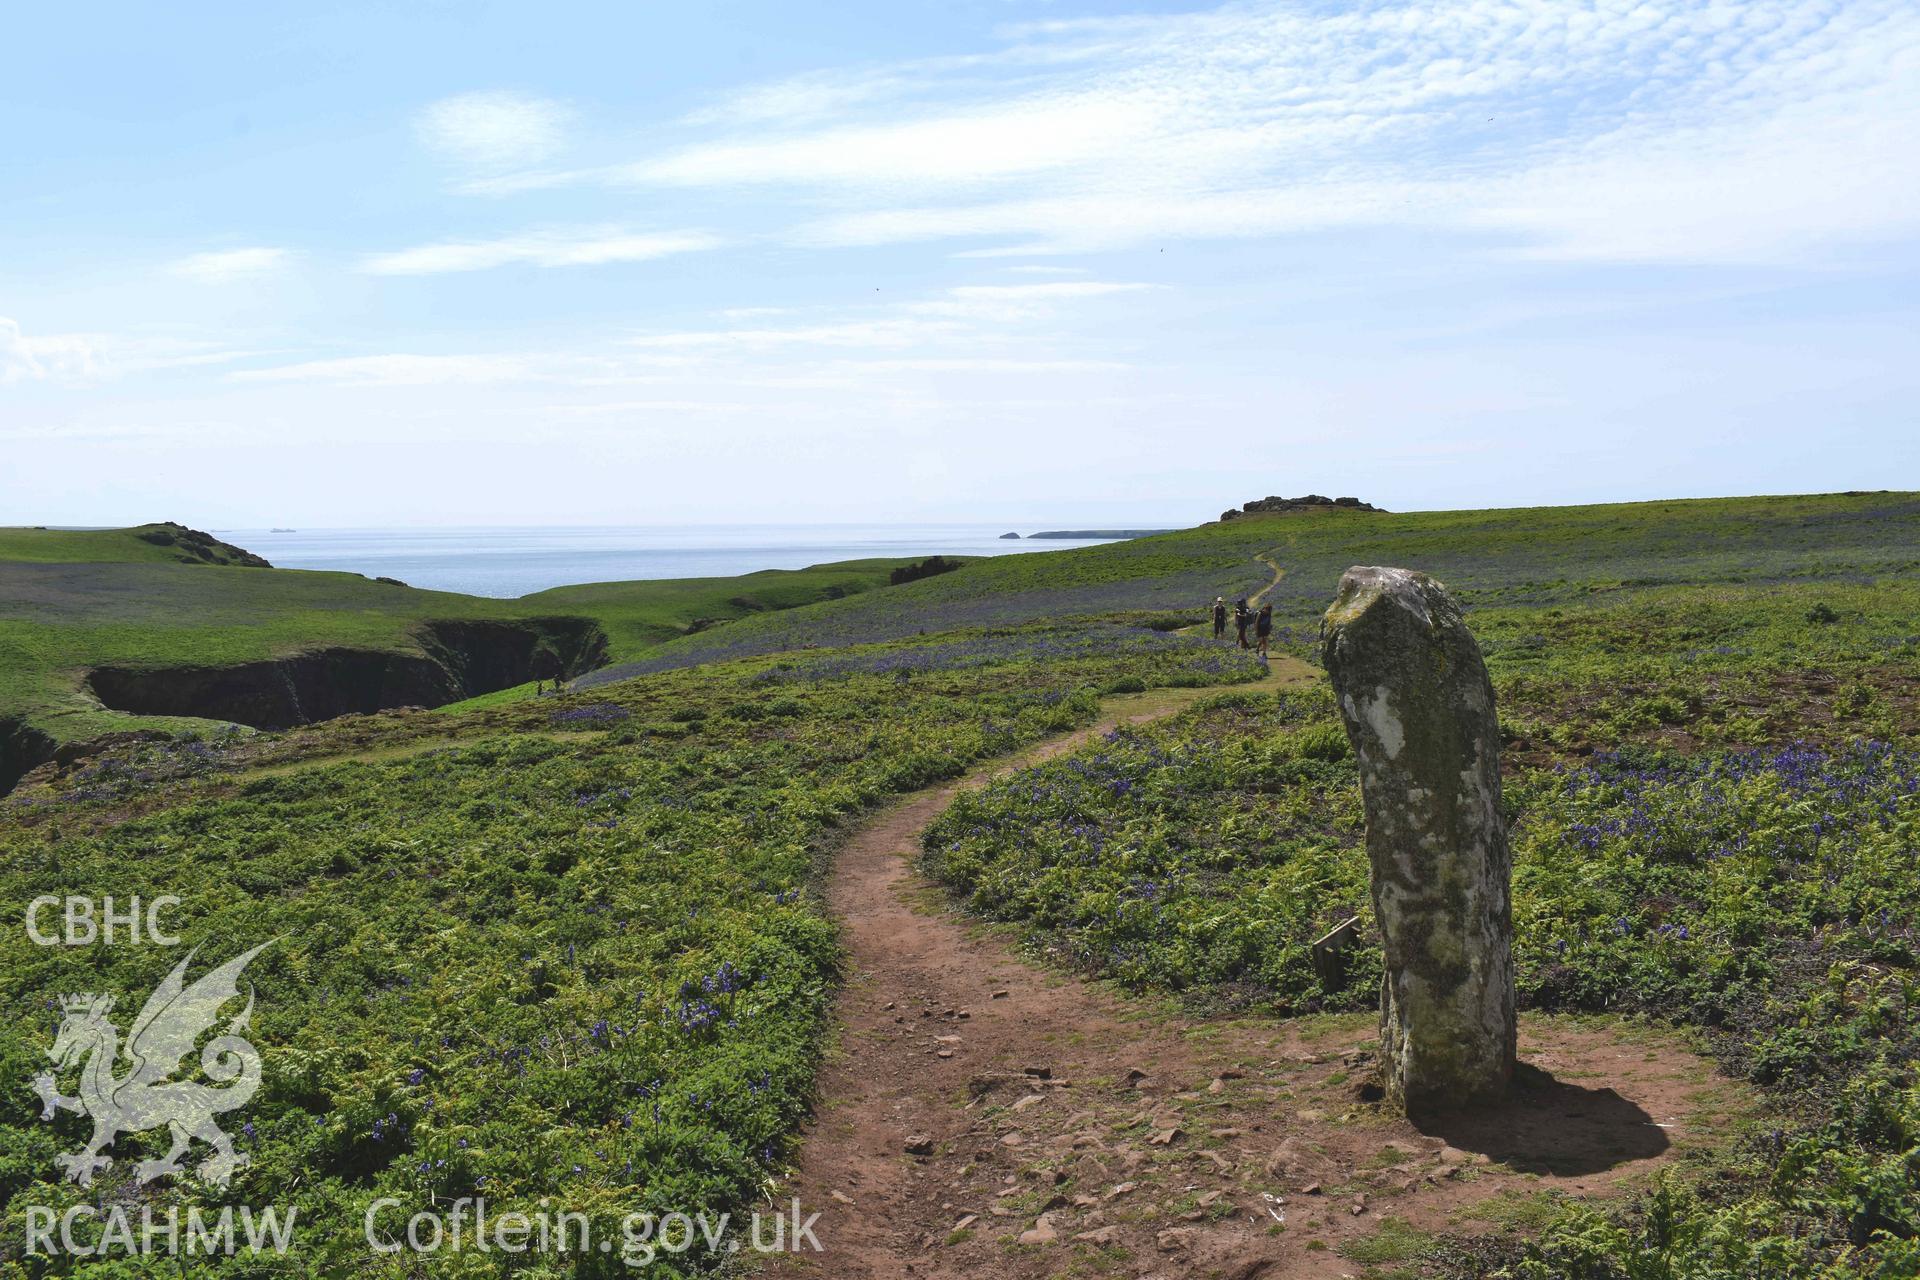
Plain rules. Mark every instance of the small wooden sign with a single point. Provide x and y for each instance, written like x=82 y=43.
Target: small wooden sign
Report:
x=1328 y=951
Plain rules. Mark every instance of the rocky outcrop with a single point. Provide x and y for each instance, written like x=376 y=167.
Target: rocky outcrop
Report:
x=1419 y=710
x=1005 y=536
x=22 y=748
x=484 y=656
x=931 y=567
x=1310 y=502
x=279 y=692
x=194 y=547
x=457 y=659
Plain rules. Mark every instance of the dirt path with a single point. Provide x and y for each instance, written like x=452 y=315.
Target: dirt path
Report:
x=987 y=1119
x=1254 y=601
x=1278 y=573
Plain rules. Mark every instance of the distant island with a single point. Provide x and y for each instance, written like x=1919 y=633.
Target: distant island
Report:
x=1099 y=533
x=1005 y=536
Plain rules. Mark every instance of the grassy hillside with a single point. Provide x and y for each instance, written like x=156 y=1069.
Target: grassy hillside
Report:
x=638 y=616
x=1535 y=556
x=73 y=601
x=60 y=619
x=574 y=946
x=60 y=615
x=165 y=543
x=1714 y=797
x=566 y=948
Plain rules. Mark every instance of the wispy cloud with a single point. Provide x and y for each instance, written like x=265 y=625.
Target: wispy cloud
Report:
x=607 y=408
x=580 y=247
x=222 y=266
x=405 y=369
x=822 y=95
x=495 y=129
x=20 y=359
x=980 y=146
x=965 y=315
x=94 y=357
x=1055 y=292
x=983 y=364
x=1691 y=130
x=989 y=328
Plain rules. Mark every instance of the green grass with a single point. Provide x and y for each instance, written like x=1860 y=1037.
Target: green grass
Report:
x=72 y=601
x=489 y=919
x=1713 y=794
x=59 y=615
x=638 y=616
x=576 y=953
x=1518 y=1210
x=1198 y=856
x=142 y=544
x=1394 y=1240
x=59 y=620
x=1533 y=558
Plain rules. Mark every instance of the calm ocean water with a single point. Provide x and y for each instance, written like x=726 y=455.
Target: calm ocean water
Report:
x=513 y=562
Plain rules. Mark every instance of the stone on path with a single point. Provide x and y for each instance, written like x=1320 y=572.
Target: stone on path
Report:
x=1418 y=707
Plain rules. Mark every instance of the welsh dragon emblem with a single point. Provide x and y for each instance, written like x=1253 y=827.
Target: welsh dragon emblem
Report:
x=142 y=1098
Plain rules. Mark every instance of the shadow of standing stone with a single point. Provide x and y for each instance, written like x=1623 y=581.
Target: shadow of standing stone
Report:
x=1418 y=707
x=1555 y=1127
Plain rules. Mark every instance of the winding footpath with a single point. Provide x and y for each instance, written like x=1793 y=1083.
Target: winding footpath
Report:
x=1259 y=597
x=988 y=1118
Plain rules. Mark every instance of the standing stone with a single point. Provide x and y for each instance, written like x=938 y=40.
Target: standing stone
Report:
x=1419 y=710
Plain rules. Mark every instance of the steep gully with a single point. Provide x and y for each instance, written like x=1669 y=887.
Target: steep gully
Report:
x=453 y=660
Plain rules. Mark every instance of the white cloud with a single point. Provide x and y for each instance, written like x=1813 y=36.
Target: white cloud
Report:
x=996 y=328
x=1691 y=130
x=57 y=357
x=576 y=248
x=611 y=407
x=981 y=146
x=965 y=315
x=17 y=361
x=1056 y=291
x=403 y=369
x=222 y=266
x=494 y=129
x=93 y=357
x=886 y=331
x=1008 y=304
x=812 y=97
x=984 y=364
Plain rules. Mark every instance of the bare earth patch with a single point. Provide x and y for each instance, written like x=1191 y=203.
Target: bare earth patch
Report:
x=986 y=1119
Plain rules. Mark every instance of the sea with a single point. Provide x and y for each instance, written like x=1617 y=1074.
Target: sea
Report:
x=507 y=562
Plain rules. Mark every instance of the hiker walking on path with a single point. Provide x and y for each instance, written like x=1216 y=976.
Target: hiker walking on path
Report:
x=1241 y=617
x=1263 y=628
x=1219 y=616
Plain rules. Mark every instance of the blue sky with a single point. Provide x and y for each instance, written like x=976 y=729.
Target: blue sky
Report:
x=424 y=263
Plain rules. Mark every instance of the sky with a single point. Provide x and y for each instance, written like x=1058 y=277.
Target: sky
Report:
x=424 y=262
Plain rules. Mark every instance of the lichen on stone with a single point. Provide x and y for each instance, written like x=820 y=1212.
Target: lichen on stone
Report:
x=1418 y=706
